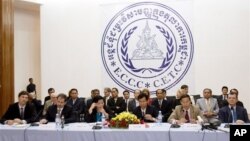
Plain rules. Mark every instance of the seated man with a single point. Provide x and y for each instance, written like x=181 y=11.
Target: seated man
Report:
x=115 y=103
x=186 y=112
x=134 y=102
x=222 y=99
x=238 y=103
x=208 y=105
x=144 y=111
x=163 y=105
x=60 y=108
x=78 y=105
x=97 y=109
x=233 y=113
x=20 y=112
x=48 y=103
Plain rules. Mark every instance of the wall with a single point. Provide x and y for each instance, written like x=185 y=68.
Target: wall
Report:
x=70 y=46
x=27 y=46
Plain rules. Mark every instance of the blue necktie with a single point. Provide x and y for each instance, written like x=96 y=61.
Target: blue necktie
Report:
x=234 y=115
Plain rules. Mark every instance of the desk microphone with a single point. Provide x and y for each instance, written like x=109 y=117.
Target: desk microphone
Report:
x=35 y=119
x=174 y=125
x=201 y=121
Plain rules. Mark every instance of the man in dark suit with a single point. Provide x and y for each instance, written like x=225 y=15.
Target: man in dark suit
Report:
x=94 y=92
x=160 y=104
x=116 y=104
x=126 y=95
x=238 y=103
x=222 y=99
x=61 y=108
x=78 y=105
x=233 y=113
x=20 y=112
x=144 y=111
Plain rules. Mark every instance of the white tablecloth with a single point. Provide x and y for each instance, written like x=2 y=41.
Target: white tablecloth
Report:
x=84 y=132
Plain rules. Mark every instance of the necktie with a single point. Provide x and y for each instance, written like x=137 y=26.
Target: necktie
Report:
x=143 y=113
x=234 y=116
x=208 y=105
x=187 y=117
x=160 y=103
x=21 y=113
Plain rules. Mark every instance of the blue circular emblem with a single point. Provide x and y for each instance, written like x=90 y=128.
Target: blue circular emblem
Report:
x=147 y=45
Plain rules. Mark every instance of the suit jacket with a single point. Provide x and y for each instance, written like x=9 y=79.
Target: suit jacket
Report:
x=225 y=115
x=131 y=105
x=78 y=106
x=46 y=99
x=165 y=108
x=38 y=105
x=14 y=112
x=149 y=110
x=119 y=102
x=46 y=107
x=92 y=117
x=88 y=103
x=106 y=99
x=67 y=112
x=178 y=113
x=201 y=103
x=223 y=102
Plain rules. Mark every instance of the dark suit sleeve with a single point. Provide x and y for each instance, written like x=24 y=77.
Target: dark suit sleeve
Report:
x=111 y=114
x=8 y=115
x=223 y=115
x=155 y=112
x=68 y=115
x=31 y=113
x=246 y=119
x=90 y=117
x=111 y=105
x=122 y=106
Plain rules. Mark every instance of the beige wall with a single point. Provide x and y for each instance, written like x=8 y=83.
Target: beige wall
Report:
x=26 y=45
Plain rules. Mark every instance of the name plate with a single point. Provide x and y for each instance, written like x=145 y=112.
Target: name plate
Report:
x=136 y=126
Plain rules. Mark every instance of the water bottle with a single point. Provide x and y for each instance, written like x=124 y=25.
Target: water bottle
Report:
x=103 y=119
x=159 y=118
x=58 y=121
x=62 y=121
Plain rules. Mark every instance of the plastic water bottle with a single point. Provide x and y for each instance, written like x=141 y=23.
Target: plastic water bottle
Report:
x=62 y=121
x=58 y=121
x=103 y=120
x=159 y=118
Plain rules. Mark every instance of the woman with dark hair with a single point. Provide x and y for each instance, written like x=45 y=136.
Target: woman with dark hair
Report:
x=97 y=109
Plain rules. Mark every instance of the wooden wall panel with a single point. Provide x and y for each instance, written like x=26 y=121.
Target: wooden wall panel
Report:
x=6 y=54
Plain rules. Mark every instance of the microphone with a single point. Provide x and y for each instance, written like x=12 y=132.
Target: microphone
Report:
x=36 y=118
x=174 y=124
x=228 y=123
x=201 y=121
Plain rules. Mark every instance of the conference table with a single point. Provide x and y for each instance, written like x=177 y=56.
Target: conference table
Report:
x=84 y=132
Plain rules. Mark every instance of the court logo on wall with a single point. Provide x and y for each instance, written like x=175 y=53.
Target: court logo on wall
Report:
x=147 y=45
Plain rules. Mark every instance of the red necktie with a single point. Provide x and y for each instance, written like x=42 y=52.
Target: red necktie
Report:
x=187 y=117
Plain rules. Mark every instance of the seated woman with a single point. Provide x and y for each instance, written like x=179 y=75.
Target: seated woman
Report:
x=97 y=109
x=147 y=92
